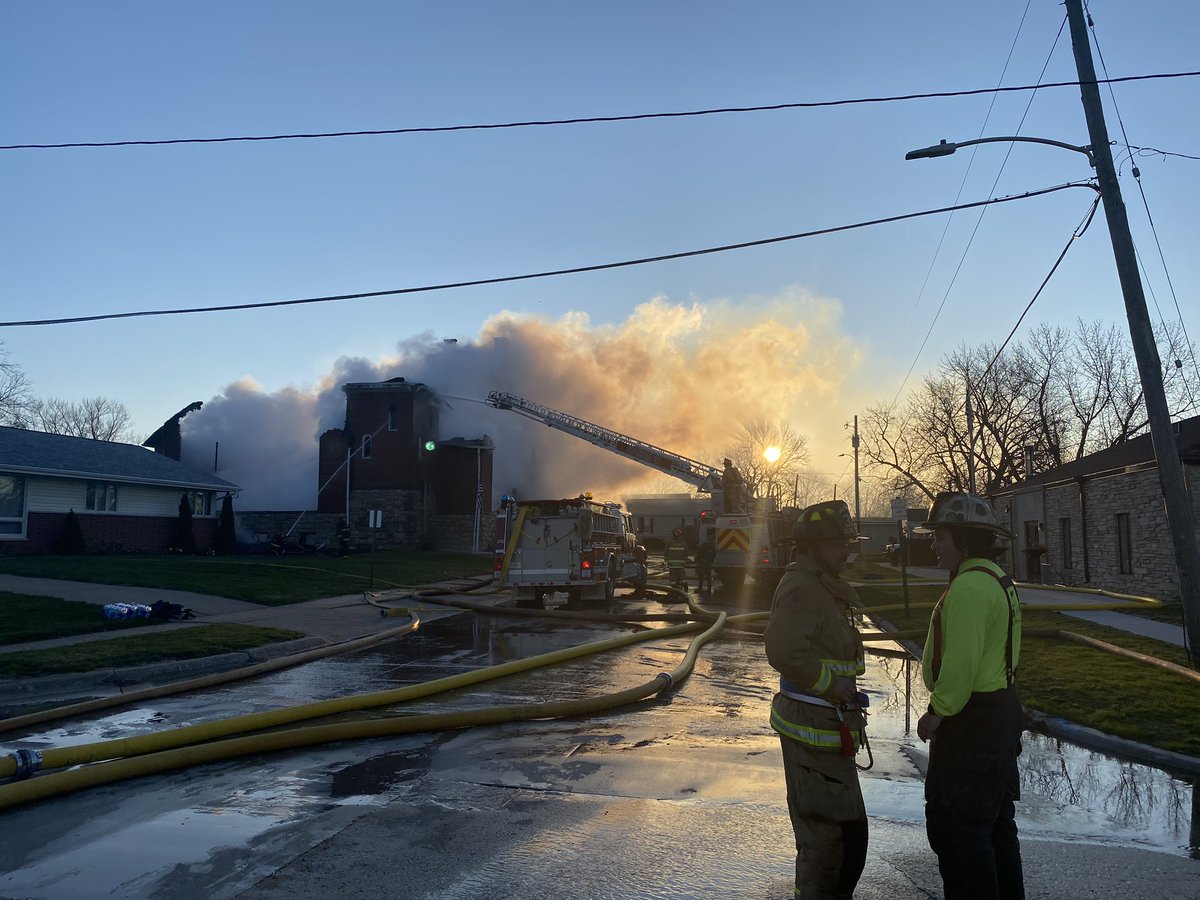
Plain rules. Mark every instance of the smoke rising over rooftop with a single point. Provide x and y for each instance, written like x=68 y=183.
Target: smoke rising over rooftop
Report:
x=684 y=377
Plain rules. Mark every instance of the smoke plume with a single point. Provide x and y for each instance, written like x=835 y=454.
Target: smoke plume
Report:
x=683 y=377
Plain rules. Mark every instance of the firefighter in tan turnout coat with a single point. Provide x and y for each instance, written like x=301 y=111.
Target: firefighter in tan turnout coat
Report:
x=818 y=712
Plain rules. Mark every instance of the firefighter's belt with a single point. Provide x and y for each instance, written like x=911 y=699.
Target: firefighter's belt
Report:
x=789 y=690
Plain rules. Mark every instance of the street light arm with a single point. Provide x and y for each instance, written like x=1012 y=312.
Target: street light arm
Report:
x=945 y=148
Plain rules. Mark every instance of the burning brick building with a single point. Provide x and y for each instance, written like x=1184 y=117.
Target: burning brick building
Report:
x=429 y=493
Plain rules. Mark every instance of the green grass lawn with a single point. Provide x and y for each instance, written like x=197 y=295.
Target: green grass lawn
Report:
x=1084 y=685
x=192 y=642
x=269 y=580
x=25 y=617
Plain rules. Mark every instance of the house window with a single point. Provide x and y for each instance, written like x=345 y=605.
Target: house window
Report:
x=1064 y=541
x=392 y=419
x=201 y=502
x=1124 y=544
x=12 y=506
x=366 y=446
x=101 y=496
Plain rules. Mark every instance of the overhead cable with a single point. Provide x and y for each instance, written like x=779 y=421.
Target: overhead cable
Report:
x=547 y=274
x=1137 y=176
x=982 y=212
x=1078 y=233
x=587 y=120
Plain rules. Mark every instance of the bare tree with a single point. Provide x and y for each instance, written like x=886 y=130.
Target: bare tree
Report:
x=1060 y=395
x=16 y=397
x=770 y=474
x=99 y=418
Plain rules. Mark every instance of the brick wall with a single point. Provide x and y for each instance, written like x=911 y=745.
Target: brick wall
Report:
x=108 y=533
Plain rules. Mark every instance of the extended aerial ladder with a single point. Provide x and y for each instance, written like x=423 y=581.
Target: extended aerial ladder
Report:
x=751 y=536
x=700 y=475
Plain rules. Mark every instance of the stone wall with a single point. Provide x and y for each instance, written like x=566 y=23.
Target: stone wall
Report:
x=403 y=528
x=457 y=533
x=1137 y=494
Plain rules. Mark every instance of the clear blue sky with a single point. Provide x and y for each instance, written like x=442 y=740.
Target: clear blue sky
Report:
x=104 y=230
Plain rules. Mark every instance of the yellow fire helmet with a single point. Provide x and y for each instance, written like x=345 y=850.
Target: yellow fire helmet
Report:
x=828 y=520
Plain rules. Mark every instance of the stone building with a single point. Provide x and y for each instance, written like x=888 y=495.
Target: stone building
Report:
x=1099 y=521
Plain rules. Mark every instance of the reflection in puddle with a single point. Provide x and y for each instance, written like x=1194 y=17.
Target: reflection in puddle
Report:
x=1067 y=790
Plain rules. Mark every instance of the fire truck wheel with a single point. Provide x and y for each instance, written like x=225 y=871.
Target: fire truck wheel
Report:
x=731 y=577
x=536 y=601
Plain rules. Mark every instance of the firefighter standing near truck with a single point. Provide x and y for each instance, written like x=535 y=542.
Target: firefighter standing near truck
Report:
x=974 y=720
x=812 y=642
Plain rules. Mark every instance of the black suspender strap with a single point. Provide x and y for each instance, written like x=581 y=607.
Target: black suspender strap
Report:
x=1006 y=583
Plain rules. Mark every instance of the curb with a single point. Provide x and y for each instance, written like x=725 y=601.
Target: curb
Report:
x=106 y=681
x=1122 y=748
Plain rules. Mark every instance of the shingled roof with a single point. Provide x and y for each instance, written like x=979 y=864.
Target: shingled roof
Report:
x=59 y=456
x=1136 y=453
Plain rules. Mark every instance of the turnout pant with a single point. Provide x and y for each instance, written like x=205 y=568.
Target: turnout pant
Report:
x=969 y=794
x=829 y=821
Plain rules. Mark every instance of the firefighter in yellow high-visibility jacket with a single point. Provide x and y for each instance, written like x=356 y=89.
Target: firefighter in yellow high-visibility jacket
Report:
x=974 y=721
x=818 y=712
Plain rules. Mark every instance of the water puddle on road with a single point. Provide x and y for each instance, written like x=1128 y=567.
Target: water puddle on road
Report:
x=1069 y=792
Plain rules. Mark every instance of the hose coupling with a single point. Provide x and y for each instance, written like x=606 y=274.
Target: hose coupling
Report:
x=28 y=762
x=670 y=680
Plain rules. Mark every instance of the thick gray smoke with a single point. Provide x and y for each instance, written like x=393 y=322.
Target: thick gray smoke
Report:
x=686 y=378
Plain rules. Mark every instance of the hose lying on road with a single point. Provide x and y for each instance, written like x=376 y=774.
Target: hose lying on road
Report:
x=60 y=757
x=21 y=792
x=179 y=687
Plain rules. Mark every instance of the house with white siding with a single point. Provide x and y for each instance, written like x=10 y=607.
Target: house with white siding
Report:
x=125 y=497
x=1099 y=521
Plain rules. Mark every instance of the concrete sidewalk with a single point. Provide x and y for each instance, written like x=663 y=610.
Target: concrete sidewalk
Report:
x=322 y=622
x=1049 y=595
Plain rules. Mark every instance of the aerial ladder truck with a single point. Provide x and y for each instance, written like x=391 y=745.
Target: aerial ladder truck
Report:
x=751 y=536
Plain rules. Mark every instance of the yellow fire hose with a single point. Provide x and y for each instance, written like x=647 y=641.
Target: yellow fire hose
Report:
x=179 y=687
x=169 y=750
x=60 y=757
x=20 y=792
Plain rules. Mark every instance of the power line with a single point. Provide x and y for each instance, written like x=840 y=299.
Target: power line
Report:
x=1076 y=235
x=979 y=221
x=967 y=172
x=1137 y=176
x=548 y=274
x=587 y=120
x=1154 y=151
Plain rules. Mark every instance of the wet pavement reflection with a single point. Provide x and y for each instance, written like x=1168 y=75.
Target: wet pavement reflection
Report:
x=206 y=831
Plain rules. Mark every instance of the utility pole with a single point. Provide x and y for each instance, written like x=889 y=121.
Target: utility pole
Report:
x=857 y=504
x=1177 y=503
x=970 y=439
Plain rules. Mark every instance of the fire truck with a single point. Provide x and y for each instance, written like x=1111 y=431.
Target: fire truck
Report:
x=577 y=546
x=752 y=537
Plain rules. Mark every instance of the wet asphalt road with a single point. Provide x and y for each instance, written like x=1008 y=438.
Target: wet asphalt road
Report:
x=680 y=796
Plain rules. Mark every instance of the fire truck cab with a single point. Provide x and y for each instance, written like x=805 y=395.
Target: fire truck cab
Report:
x=577 y=546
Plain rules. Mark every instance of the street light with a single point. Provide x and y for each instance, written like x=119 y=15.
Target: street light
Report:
x=944 y=148
x=1180 y=521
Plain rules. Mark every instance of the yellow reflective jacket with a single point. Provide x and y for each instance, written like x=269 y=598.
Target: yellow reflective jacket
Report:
x=973 y=617
x=809 y=640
